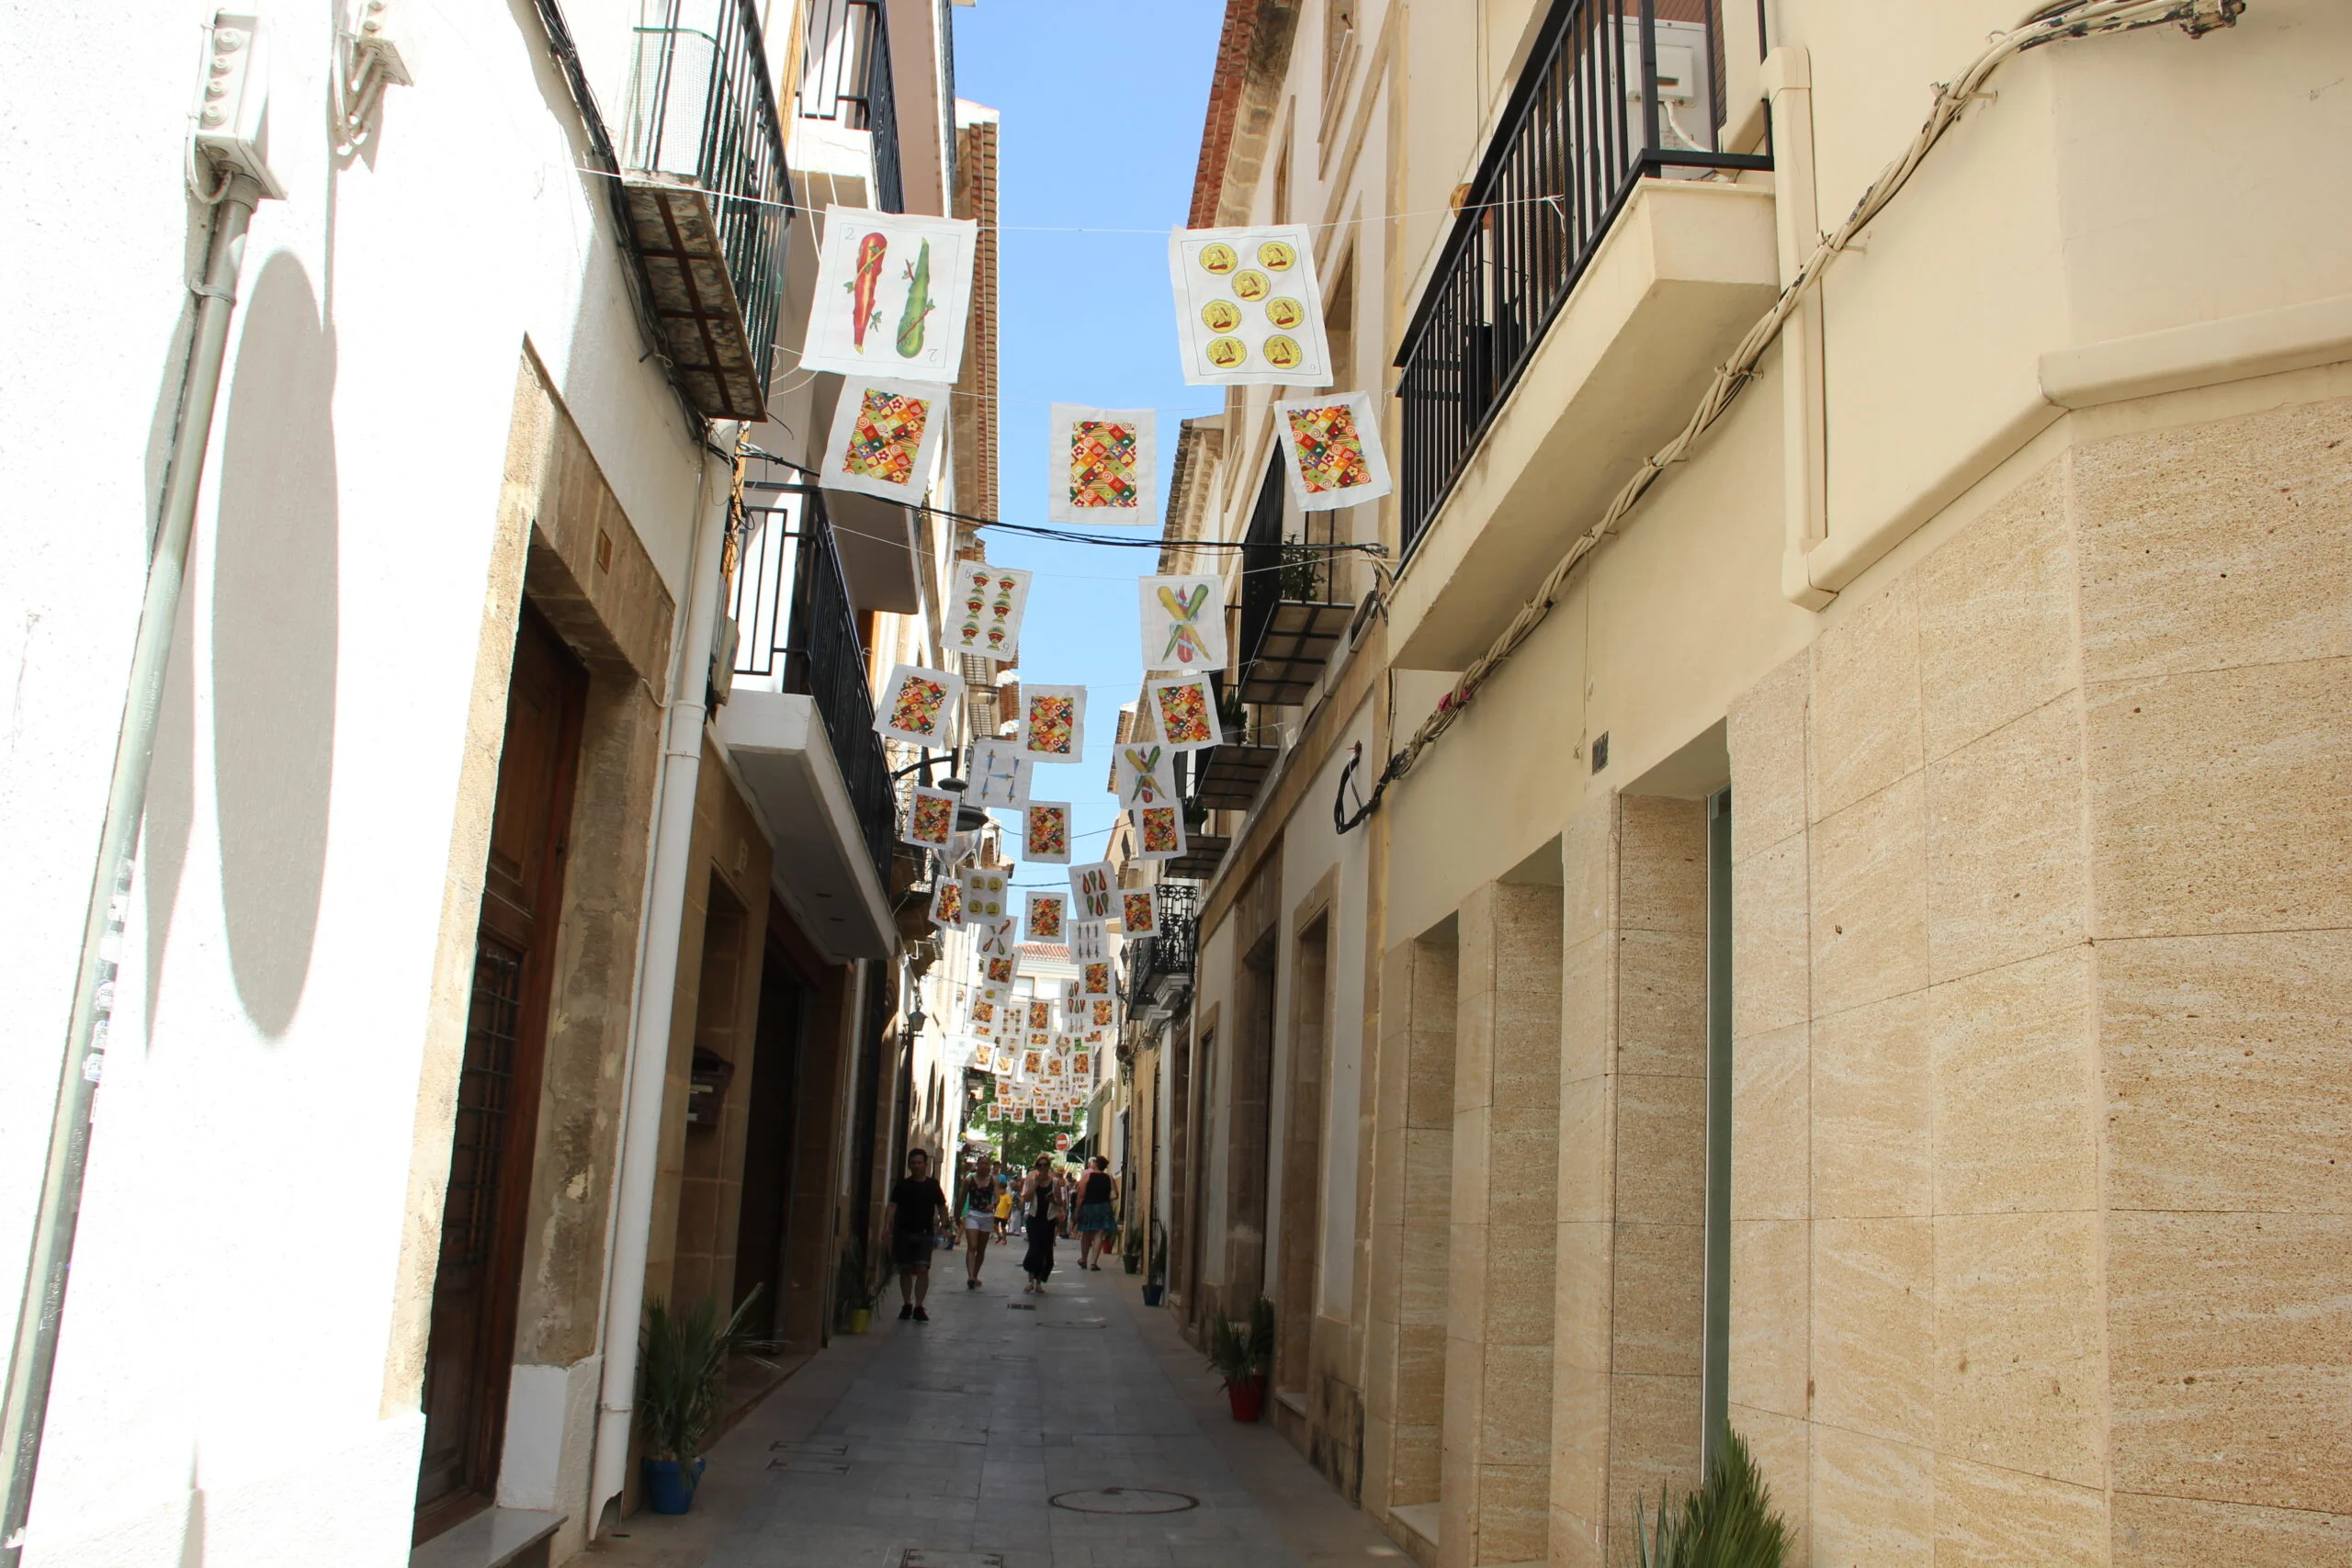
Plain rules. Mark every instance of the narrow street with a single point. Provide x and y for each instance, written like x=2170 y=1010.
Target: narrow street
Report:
x=991 y=1435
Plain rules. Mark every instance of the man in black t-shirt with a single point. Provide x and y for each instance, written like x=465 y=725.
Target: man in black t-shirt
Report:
x=912 y=1221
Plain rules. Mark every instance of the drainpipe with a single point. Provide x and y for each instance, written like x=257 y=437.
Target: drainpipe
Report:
x=41 y=1314
x=657 y=990
x=1804 y=424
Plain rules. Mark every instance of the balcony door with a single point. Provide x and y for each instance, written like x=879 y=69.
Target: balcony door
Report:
x=469 y=1351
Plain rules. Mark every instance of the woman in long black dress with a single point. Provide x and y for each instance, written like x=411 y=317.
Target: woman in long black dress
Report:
x=1039 y=1201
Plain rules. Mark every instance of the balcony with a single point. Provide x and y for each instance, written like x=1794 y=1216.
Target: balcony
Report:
x=799 y=723
x=1293 y=614
x=1231 y=774
x=1160 y=967
x=846 y=84
x=1605 y=260
x=709 y=197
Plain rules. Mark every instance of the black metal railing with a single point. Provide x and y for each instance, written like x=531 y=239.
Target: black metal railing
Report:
x=847 y=81
x=701 y=110
x=1275 y=570
x=794 y=623
x=1617 y=91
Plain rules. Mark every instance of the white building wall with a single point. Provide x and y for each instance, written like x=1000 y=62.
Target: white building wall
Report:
x=220 y=1395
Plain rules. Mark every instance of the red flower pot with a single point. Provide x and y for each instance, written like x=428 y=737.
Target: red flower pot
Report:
x=1247 y=1397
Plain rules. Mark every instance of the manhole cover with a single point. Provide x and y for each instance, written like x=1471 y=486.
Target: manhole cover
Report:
x=914 y=1559
x=1019 y=1306
x=1125 y=1500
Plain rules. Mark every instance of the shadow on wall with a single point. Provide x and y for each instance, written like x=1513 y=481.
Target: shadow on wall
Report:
x=273 y=624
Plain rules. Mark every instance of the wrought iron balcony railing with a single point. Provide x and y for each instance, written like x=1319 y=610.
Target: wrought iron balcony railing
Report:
x=709 y=196
x=1615 y=91
x=1169 y=952
x=794 y=624
x=847 y=81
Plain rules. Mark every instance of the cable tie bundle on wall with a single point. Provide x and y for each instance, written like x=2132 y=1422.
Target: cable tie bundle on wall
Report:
x=2048 y=23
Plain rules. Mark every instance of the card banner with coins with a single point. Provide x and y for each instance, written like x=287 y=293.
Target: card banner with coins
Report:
x=984 y=608
x=1101 y=466
x=891 y=295
x=984 y=893
x=1184 y=622
x=886 y=439
x=1247 y=310
x=1331 y=451
x=916 y=706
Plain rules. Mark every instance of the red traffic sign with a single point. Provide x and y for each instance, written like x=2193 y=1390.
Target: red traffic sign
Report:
x=1061 y=1143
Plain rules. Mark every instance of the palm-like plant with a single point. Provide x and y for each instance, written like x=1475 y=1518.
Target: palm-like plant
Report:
x=683 y=1374
x=1727 y=1523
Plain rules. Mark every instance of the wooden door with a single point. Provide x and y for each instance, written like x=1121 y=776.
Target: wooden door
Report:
x=470 y=1351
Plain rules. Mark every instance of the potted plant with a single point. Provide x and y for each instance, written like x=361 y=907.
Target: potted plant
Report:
x=1155 y=1281
x=1242 y=1357
x=1131 y=1250
x=854 y=1292
x=682 y=1377
x=1729 y=1520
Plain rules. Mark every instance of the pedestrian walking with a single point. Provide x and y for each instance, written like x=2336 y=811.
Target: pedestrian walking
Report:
x=1041 y=1204
x=915 y=1220
x=1098 y=1213
x=1066 y=1188
x=1003 y=1204
x=979 y=1218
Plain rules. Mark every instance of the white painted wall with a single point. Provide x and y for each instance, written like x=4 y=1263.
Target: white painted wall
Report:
x=220 y=1396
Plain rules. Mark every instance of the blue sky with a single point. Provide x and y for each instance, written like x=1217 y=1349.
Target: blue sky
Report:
x=1102 y=104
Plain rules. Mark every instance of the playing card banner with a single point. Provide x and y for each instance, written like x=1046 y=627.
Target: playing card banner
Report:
x=984 y=897
x=995 y=936
x=1102 y=1018
x=1101 y=466
x=930 y=818
x=1044 y=837
x=884 y=436
x=1186 y=708
x=1144 y=774
x=1000 y=775
x=1046 y=916
x=1247 y=310
x=947 y=904
x=1088 y=939
x=1052 y=723
x=984 y=607
x=1095 y=979
x=1159 y=834
x=892 y=292
x=998 y=970
x=1082 y=1064
x=1136 y=912
x=1092 y=896
x=1184 y=622
x=1331 y=447
x=917 y=704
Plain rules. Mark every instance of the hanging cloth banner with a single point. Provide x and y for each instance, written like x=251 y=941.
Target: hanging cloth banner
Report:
x=1159 y=835
x=947 y=904
x=1082 y=1064
x=1044 y=836
x=1144 y=774
x=984 y=605
x=998 y=970
x=931 y=820
x=1000 y=775
x=1184 y=622
x=892 y=293
x=884 y=439
x=1103 y=1017
x=1332 y=448
x=1101 y=466
x=1247 y=310
x=1186 y=708
x=995 y=936
x=1137 y=912
x=1096 y=978
x=916 y=705
x=1089 y=943
x=1041 y=1016
x=1052 y=723
x=1092 y=895
x=1046 y=918
x=984 y=900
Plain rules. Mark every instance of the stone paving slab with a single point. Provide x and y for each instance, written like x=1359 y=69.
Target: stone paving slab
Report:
x=949 y=1438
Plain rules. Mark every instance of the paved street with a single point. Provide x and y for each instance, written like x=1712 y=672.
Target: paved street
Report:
x=982 y=1436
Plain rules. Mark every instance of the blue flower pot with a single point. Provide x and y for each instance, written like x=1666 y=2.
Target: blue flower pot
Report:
x=1151 y=1294
x=669 y=1485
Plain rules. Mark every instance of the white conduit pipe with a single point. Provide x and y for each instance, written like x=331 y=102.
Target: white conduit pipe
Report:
x=657 y=990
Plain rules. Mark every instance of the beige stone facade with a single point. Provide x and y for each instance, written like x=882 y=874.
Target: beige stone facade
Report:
x=1865 y=960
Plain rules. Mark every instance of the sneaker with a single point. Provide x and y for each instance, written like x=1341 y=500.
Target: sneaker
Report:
x=906 y=1312
x=922 y=1317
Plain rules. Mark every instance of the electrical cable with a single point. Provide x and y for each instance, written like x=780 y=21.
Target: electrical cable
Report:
x=2050 y=22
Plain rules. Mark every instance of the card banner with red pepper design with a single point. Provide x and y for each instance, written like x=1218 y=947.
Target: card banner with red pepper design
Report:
x=1101 y=466
x=984 y=608
x=885 y=440
x=1184 y=622
x=1331 y=449
x=892 y=293
x=1094 y=893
